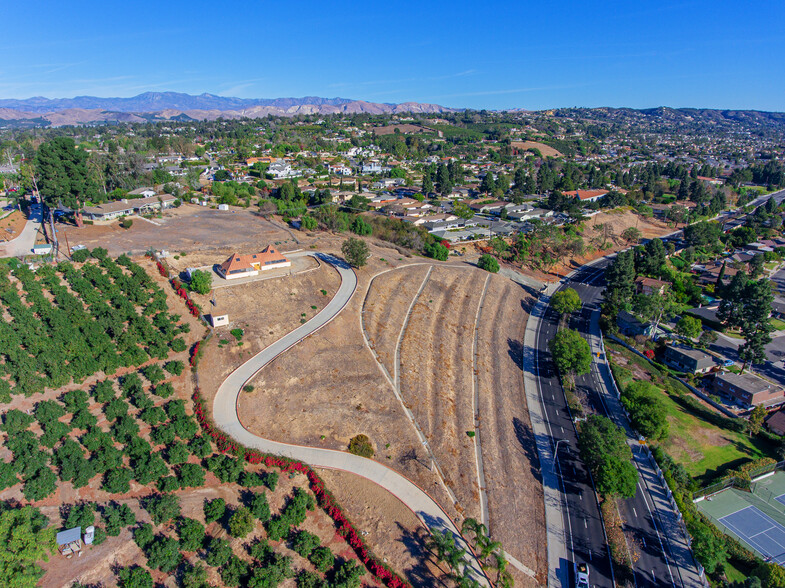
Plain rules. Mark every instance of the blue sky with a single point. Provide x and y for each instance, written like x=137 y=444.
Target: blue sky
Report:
x=492 y=54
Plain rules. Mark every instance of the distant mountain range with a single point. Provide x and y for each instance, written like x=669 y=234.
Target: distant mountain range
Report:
x=152 y=106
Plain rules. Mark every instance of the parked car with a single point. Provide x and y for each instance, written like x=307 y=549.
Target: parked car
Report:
x=728 y=363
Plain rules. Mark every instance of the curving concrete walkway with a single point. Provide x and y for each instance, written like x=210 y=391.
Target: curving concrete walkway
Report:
x=226 y=418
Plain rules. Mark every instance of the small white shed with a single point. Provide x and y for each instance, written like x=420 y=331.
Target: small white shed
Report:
x=219 y=318
x=223 y=207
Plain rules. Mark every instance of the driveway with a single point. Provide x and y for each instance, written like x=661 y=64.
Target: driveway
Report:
x=226 y=418
x=23 y=244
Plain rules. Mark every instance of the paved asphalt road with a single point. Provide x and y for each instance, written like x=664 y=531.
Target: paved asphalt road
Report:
x=226 y=418
x=584 y=532
x=665 y=559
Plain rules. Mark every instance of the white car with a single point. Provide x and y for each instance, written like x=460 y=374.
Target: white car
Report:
x=581 y=575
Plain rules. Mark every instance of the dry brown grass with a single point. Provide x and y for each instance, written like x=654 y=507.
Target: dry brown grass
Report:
x=546 y=150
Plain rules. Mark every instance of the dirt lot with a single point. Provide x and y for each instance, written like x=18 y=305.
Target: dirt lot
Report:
x=343 y=392
x=11 y=226
x=436 y=374
x=187 y=228
x=436 y=364
x=546 y=150
x=512 y=477
x=265 y=310
x=395 y=532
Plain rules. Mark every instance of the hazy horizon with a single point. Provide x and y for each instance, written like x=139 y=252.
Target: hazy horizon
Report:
x=501 y=55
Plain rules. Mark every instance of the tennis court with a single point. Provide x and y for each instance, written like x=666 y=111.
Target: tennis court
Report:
x=758 y=530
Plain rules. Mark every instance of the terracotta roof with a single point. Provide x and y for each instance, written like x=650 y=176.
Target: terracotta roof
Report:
x=586 y=194
x=237 y=262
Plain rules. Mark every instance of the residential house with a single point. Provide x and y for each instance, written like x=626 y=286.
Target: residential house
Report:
x=282 y=169
x=631 y=326
x=145 y=192
x=587 y=195
x=748 y=390
x=112 y=210
x=339 y=169
x=776 y=422
x=373 y=168
x=243 y=266
x=650 y=286
x=524 y=215
x=688 y=360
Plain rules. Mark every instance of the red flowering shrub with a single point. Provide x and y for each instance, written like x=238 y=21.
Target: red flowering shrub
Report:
x=649 y=353
x=346 y=529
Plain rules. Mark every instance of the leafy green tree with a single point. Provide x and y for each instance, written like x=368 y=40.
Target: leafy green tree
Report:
x=177 y=453
x=80 y=515
x=162 y=507
x=356 y=251
x=566 y=301
x=40 y=484
x=62 y=174
x=303 y=543
x=234 y=571
x=241 y=522
x=195 y=576
x=488 y=263
x=771 y=575
x=644 y=403
x=360 y=227
x=218 y=552
x=308 y=223
x=322 y=558
x=117 y=481
x=655 y=307
x=116 y=517
x=571 y=354
x=689 y=327
x=260 y=507
x=214 y=510
x=154 y=373
x=436 y=251
x=200 y=447
x=191 y=533
x=604 y=449
x=306 y=579
x=190 y=475
x=134 y=577
x=348 y=575
x=164 y=554
x=620 y=283
x=708 y=548
x=201 y=281
x=26 y=540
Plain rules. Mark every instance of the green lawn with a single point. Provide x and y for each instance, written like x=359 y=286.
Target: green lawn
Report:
x=778 y=324
x=705 y=449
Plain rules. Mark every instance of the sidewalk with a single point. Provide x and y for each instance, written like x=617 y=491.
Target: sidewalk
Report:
x=554 y=503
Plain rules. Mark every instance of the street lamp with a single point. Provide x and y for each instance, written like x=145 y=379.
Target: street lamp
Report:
x=556 y=451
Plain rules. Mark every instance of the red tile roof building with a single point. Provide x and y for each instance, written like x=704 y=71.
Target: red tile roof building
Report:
x=587 y=195
x=242 y=266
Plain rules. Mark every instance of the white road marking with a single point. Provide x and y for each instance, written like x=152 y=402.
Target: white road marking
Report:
x=635 y=511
